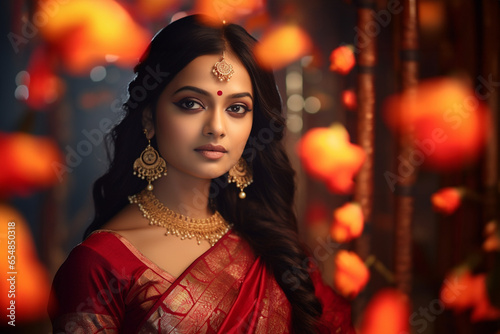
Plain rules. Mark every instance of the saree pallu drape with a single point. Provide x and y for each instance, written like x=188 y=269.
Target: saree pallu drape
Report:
x=107 y=286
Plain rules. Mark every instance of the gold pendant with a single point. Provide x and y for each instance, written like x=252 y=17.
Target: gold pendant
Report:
x=223 y=70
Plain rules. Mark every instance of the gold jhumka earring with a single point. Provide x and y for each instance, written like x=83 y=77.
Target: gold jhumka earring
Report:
x=241 y=174
x=150 y=165
x=223 y=70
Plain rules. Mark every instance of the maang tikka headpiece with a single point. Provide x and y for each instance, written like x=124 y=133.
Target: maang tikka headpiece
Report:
x=223 y=70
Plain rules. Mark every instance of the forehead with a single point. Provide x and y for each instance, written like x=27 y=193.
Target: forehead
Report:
x=198 y=73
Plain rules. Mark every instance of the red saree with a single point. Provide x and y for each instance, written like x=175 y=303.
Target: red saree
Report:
x=107 y=286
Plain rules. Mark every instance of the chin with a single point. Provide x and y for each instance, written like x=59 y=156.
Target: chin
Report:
x=204 y=174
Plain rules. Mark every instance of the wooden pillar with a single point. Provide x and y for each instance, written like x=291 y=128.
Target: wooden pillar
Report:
x=404 y=201
x=366 y=49
x=490 y=69
x=491 y=183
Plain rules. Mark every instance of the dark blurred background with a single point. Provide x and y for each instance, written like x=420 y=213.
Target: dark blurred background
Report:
x=64 y=98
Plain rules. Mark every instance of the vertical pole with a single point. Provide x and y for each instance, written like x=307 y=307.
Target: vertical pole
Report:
x=366 y=48
x=491 y=182
x=491 y=64
x=404 y=201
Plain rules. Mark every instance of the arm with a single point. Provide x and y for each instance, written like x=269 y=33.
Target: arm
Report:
x=87 y=294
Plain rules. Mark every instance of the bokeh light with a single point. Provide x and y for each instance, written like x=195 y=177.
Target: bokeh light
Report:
x=327 y=155
x=282 y=45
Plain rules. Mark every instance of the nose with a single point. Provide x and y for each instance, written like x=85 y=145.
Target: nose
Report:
x=214 y=124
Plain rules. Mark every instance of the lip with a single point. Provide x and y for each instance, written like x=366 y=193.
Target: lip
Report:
x=212 y=152
x=211 y=147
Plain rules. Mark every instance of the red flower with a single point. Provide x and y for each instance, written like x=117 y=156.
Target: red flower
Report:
x=327 y=155
x=282 y=46
x=347 y=222
x=447 y=200
x=32 y=283
x=387 y=312
x=349 y=99
x=461 y=290
x=342 y=59
x=350 y=275
x=483 y=310
x=227 y=10
x=90 y=33
x=446 y=120
x=44 y=86
x=27 y=163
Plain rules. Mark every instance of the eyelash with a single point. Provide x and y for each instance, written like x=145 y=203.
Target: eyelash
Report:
x=182 y=104
x=244 y=107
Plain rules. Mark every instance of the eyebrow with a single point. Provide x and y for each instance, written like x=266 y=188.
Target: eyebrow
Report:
x=205 y=93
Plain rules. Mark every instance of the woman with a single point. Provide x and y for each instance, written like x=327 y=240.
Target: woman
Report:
x=201 y=116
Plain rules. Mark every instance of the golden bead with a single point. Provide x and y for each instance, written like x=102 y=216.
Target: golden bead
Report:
x=242 y=195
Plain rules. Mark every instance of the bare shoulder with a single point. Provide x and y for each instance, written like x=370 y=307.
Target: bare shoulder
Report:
x=130 y=217
x=131 y=225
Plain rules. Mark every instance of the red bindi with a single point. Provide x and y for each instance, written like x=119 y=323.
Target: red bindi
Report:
x=219 y=92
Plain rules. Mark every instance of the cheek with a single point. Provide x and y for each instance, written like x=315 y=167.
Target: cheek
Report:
x=241 y=133
x=174 y=130
x=176 y=124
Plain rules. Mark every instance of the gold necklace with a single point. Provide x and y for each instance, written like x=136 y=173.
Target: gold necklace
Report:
x=210 y=229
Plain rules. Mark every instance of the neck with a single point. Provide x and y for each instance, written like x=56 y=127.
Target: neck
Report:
x=184 y=194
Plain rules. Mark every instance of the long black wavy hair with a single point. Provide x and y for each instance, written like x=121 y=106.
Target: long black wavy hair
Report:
x=265 y=219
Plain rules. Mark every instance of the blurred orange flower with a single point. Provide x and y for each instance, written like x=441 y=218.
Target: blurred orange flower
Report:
x=281 y=46
x=483 y=310
x=447 y=200
x=44 y=86
x=349 y=99
x=447 y=121
x=461 y=291
x=347 y=222
x=387 y=312
x=342 y=59
x=32 y=283
x=87 y=33
x=228 y=10
x=327 y=155
x=26 y=163
x=350 y=275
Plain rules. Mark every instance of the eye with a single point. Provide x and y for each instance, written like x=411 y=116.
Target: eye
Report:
x=189 y=104
x=238 y=109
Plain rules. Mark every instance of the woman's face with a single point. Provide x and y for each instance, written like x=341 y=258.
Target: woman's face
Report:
x=202 y=124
